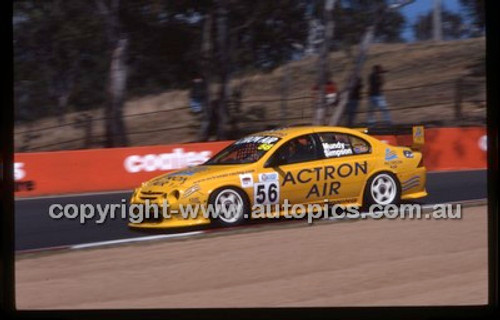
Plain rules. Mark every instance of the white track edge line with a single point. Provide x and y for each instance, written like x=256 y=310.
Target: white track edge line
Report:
x=70 y=195
x=130 y=240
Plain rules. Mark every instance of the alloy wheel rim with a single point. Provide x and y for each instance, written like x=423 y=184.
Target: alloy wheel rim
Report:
x=229 y=205
x=383 y=189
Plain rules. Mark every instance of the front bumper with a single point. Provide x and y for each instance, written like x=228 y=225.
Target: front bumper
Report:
x=174 y=220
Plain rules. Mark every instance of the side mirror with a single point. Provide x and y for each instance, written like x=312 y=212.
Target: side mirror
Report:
x=275 y=161
x=270 y=163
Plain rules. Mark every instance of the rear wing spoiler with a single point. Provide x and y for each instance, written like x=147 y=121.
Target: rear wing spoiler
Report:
x=417 y=133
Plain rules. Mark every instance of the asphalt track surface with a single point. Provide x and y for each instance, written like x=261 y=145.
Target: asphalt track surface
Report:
x=35 y=229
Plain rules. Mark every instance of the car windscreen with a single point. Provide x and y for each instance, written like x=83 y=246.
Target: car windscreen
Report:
x=246 y=150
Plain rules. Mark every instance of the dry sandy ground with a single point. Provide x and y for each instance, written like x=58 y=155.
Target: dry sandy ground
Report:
x=371 y=262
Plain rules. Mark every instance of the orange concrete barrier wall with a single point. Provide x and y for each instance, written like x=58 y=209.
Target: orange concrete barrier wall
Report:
x=93 y=170
x=103 y=169
x=450 y=148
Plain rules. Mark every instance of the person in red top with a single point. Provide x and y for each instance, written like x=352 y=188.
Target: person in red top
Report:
x=330 y=92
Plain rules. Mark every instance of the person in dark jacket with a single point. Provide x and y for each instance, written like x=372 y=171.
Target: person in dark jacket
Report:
x=377 y=98
x=210 y=121
x=353 y=103
x=197 y=95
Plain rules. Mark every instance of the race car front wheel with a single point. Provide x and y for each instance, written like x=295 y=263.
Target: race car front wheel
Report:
x=382 y=189
x=230 y=206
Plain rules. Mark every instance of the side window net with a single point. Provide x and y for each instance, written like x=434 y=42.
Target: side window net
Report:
x=297 y=150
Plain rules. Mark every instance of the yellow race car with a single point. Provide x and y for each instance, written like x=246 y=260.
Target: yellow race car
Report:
x=302 y=165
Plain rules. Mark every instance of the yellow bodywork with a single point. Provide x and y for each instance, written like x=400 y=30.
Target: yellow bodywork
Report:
x=341 y=180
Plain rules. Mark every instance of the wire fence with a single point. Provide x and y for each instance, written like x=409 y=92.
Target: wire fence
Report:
x=74 y=123
x=306 y=97
x=445 y=92
x=100 y=136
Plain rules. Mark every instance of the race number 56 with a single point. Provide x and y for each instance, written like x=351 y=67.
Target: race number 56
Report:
x=266 y=192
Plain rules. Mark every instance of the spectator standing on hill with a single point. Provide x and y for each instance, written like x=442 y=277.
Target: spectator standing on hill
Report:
x=353 y=103
x=210 y=121
x=197 y=95
x=377 y=98
x=330 y=92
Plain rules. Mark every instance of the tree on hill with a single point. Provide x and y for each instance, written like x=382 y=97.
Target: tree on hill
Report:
x=452 y=23
x=475 y=11
x=56 y=66
x=74 y=55
x=352 y=17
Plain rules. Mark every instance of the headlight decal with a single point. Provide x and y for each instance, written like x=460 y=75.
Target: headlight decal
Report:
x=189 y=191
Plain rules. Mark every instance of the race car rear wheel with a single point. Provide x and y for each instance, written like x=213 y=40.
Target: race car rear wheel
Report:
x=382 y=189
x=231 y=206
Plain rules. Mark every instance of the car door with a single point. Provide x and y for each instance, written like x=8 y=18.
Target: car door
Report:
x=347 y=163
x=297 y=164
